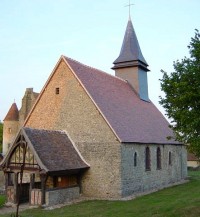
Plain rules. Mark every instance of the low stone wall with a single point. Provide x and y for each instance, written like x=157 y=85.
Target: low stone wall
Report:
x=62 y=195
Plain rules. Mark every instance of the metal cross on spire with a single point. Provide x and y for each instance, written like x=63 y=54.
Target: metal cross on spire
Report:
x=129 y=5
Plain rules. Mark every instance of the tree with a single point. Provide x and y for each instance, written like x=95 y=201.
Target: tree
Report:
x=182 y=97
x=1 y=136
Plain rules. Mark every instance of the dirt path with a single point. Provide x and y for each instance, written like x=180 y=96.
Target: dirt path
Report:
x=12 y=209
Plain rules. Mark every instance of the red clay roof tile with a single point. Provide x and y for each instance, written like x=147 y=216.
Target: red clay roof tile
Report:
x=13 y=113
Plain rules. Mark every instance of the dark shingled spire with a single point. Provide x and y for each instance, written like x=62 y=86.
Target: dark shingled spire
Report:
x=13 y=113
x=130 y=54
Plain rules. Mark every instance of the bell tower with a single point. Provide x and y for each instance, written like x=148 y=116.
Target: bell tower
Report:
x=131 y=65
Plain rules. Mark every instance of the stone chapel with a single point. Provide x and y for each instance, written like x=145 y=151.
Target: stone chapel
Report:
x=93 y=134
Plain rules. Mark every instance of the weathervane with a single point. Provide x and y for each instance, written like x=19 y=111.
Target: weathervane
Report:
x=129 y=5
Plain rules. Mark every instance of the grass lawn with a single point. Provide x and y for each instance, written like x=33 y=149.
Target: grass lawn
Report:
x=177 y=201
x=2 y=201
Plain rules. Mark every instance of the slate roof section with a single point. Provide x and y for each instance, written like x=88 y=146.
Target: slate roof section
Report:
x=55 y=150
x=130 y=53
x=13 y=113
x=132 y=119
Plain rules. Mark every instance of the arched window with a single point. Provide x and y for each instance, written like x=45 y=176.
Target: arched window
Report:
x=135 y=159
x=158 y=154
x=170 y=158
x=147 y=159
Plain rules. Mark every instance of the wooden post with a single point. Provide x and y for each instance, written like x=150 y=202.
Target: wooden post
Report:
x=6 y=185
x=16 y=192
x=43 y=177
x=32 y=183
x=6 y=180
x=79 y=181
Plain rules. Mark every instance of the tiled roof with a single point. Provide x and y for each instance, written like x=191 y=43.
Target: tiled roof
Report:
x=131 y=119
x=55 y=150
x=13 y=113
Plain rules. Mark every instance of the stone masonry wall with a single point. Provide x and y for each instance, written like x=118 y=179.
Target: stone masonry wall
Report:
x=137 y=179
x=10 y=130
x=27 y=103
x=62 y=195
x=73 y=111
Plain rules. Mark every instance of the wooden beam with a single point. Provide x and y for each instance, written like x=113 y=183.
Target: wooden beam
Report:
x=16 y=190
x=32 y=183
x=43 y=177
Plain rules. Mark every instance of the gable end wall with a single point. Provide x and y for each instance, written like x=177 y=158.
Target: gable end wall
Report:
x=73 y=111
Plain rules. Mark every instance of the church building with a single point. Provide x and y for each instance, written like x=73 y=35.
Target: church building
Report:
x=93 y=134
x=14 y=119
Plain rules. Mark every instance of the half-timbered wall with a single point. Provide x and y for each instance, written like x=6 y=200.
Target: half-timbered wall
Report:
x=22 y=155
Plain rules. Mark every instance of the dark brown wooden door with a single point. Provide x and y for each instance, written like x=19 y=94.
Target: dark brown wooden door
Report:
x=24 y=193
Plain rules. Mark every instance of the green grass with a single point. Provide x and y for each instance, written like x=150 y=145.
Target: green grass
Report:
x=2 y=201
x=177 y=201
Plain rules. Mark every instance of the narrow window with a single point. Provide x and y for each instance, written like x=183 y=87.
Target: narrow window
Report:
x=9 y=130
x=158 y=158
x=135 y=159
x=57 y=90
x=170 y=158
x=147 y=159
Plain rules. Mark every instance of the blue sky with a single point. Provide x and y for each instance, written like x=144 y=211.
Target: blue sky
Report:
x=35 y=33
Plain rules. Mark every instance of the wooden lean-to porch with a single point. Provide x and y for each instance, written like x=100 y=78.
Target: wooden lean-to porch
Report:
x=42 y=167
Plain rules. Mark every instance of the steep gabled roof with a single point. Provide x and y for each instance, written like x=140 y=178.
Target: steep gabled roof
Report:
x=130 y=118
x=13 y=113
x=53 y=150
x=130 y=54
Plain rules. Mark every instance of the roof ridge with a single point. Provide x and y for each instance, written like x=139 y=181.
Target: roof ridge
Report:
x=90 y=67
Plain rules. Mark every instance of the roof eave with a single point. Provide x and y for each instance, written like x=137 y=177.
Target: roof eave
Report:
x=39 y=161
x=154 y=143
x=128 y=64
x=67 y=171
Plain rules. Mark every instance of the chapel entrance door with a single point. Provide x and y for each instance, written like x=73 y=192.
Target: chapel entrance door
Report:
x=24 y=192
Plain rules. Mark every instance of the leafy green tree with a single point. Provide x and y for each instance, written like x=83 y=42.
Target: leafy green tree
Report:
x=182 y=97
x=1 y=136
